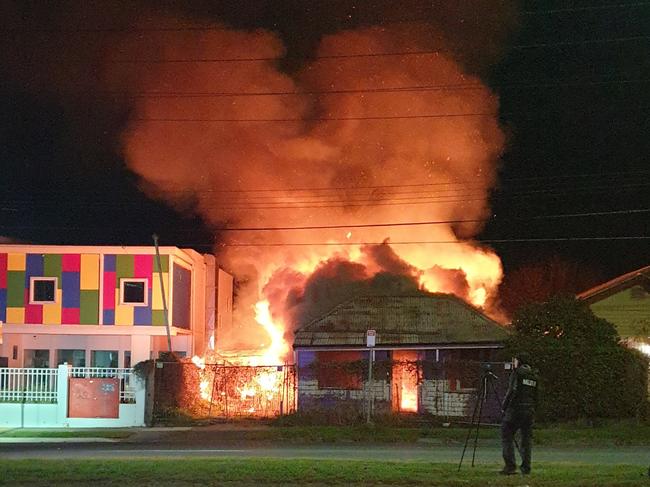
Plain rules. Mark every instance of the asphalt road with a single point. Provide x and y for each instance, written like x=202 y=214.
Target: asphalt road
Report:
x=407 y=453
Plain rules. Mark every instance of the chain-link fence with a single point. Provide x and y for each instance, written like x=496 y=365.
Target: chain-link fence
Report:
x=450 y=390
x=223 y=391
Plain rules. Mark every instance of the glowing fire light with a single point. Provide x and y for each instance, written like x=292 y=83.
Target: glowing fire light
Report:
x=405 y=380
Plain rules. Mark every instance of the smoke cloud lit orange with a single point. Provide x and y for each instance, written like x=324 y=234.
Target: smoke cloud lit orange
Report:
x=306 y=157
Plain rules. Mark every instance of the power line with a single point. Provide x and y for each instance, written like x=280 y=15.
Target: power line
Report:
x=429 y=242
x=360 y=203
x=379 y=225
x=608 y=175
x=263 y=199
x=313 y=119
x=584 y=9
x=210 y=28
x=391 y=90
x=335 y=57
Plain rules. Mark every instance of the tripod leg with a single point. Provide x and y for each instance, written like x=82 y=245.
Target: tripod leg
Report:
x=471 y=424
x=480 y=413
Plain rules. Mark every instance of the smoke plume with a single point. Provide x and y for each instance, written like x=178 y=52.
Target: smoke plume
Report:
x=378 y=124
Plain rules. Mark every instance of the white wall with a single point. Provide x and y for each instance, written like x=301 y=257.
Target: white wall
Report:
x=138 y=345
x=35 y=415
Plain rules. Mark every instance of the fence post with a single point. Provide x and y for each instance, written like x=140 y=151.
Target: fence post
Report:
x=62 y=394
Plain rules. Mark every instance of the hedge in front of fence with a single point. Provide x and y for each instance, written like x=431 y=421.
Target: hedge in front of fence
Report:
x=585 y=373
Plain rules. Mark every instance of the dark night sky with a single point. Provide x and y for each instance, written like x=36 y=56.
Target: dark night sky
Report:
x=572 y=78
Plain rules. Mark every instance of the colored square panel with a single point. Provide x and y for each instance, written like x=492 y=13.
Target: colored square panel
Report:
x=34 y=314
x=70 y=262
x=123 y=315
x=33 y=267
x=142 y=314
x=109 y=263
x=158 y=318
x=52 y=266
x=3 y=271
x=90 y=271
x=3 y=305
x=109 y=317
x=109 y=290
x=52 y=312
x=124 y=266
x=89 y=309
x=156 y=295
x=70 y=316
x=143 y=266
x=164 y=263
x=70 y=289
x=16 y=289
x=16 y=262
x=16 y=315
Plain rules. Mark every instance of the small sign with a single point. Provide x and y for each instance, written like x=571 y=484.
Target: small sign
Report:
x=371 y=336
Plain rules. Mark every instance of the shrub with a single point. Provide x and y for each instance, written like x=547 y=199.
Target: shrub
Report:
x=584 y=371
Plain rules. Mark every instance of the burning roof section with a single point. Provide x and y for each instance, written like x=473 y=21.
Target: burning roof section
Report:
x=401 y=320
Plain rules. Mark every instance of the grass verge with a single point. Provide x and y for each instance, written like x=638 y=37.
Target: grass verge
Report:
x=77 y=433
x=193 y=471
x=608 y=435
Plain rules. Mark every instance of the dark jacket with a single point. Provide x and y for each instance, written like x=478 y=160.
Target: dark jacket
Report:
x=522 y=390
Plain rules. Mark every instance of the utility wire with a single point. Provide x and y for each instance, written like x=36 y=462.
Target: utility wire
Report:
x=380 y=225
x=324 y=200
x=312 y=119
x=391 y=90
x=561 y=181
x=360 y=203
x=427 y=242
x=335 y=57
x=209 y=28
x=584 y=9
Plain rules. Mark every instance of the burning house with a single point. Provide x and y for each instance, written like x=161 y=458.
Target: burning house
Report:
x=350 y=174
x=422 y=342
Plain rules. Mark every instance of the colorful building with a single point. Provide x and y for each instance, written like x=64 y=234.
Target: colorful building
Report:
x=104 y=306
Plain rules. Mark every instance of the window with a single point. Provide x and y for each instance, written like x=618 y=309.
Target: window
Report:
x=339 y=370
x=134 y=292
x=38 y=359
x=42 y=290
x=76 y=358
x=104 y=358
x=127 y=359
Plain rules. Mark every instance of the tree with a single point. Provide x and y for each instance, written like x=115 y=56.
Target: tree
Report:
x=584 y=371
x=537 y=282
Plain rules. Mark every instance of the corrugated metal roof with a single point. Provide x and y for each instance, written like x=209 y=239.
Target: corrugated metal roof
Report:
x=400 y=320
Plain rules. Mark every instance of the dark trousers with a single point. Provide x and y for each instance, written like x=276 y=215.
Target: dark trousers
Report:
x=513 y=421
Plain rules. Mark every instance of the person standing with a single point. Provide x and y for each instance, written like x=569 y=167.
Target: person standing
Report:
x=518 y=414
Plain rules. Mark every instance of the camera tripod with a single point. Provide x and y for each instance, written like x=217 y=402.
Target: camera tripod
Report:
x=487 y=384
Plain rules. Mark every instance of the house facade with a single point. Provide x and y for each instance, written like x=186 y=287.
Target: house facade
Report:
x=103 y=306
x=625 y=302
x=425 y=355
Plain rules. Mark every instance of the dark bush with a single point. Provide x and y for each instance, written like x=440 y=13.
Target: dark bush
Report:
x=585 y=373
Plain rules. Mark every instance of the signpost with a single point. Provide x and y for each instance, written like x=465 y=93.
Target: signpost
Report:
x=371 y=336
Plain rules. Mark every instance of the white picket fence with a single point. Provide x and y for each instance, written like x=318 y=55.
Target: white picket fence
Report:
x=37 y=398
x=28 y=385
x=40 y=385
